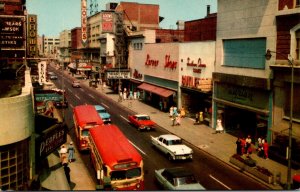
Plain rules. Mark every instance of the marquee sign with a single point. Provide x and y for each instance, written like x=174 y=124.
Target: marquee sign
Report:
x=83 y=23
x=12 y=32
x=32 y=35
x=107 y=22
x=118 y=75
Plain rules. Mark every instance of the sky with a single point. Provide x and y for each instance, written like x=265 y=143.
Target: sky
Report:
x=54 y=16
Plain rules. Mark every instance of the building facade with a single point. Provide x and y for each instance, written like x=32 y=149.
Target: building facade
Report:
x=64 y=47
x=242 y=95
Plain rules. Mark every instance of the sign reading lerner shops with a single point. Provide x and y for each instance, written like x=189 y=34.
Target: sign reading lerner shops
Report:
x=50 y=140
x=12 y=32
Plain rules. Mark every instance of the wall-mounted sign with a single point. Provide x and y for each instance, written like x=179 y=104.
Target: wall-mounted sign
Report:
x=83 y=23
x=107 y=22
x=197 y=65
x=203 y=84
x=151 y=62
x=50 y=140
x=137 y=75
x=12 y=32
x=170 y=64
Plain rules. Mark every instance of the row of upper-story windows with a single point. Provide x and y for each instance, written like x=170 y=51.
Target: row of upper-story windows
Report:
x=137 y=46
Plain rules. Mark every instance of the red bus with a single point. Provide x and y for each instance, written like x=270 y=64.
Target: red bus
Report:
x=117 y=163
x=85 y=117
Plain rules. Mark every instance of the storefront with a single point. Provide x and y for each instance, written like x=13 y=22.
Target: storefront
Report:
x=155 y=93
x=244 y=110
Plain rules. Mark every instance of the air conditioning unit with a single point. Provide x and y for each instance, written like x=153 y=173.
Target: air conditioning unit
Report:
x=111 y=6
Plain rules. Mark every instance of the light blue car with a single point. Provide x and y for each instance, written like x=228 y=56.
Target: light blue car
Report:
x=105 y=116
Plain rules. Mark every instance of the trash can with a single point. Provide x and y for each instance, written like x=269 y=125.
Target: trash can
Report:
x=296 y=181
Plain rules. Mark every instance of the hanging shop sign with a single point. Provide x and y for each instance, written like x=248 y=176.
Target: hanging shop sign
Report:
x=118 y=75
x=32 y=35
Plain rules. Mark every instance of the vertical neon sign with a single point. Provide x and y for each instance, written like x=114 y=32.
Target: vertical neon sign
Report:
x=83 y=23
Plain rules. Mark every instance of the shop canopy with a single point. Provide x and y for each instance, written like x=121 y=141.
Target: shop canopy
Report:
x=156 y=90
x=81 y=66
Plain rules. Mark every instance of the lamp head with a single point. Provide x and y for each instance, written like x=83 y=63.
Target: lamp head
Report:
x=268 y=55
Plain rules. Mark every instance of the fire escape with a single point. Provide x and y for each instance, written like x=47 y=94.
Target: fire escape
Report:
x=121 y=50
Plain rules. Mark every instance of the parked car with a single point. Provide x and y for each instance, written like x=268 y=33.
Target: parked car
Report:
x=105 y=116
x=177 y=178
x=142 y=122
x=76 y=84
x=53 y=77
x=172 y=146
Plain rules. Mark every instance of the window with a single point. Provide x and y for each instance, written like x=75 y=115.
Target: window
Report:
x=245 y=53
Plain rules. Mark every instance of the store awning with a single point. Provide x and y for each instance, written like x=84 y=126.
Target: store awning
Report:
x=156 y=90
x=81 y=66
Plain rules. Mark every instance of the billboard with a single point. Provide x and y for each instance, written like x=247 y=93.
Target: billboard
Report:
x=107 y=22
x=12 y=32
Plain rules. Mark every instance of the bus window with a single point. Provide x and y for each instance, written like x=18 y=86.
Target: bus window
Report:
x=85 y=132
x=118 y=175
x=132 y=173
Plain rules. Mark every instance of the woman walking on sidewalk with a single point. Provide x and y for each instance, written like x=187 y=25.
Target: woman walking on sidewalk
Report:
x=71 y=151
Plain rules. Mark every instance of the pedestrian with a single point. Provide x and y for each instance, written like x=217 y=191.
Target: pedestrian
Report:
x=165 y=105
x=197 y=118
x=266 y=149
x=171 y=112
x=130 y=95
x=182 y=112
x=238 y=146
x=243 y=144
x=67 y=172
x=178 y=119
x=200 y=117
x=248 y=145
x=63 y=155
x=71 y=151
x=175 y=112
x=219 y=128
x=173 y=120
x=160 y=105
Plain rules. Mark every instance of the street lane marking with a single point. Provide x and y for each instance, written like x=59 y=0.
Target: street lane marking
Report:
x=137 y=148
x=105 y=105
x=220 y=182
x=77 y=96
x=124 y=118
x=92 y=96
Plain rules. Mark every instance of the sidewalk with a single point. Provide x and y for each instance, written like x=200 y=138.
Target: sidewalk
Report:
x=221 y=146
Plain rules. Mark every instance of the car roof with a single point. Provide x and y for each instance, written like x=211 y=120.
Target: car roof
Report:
x=99 y=107
x=178 y=172
x=169 y=137
x=141 y=115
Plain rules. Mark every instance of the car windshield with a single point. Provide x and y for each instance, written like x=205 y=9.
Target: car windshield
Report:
x=144 y=118
x=101 y=111
x=85 y=132
x=185 y=180
x=125 y=174
x=175 y=142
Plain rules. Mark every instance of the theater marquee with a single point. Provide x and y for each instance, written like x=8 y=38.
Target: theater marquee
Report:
x=12 y=32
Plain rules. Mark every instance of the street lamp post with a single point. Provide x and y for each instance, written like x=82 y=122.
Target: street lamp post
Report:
x=289 y=149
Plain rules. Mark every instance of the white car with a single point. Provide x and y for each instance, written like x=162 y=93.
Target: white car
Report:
x=172 y=146
x=177 y=178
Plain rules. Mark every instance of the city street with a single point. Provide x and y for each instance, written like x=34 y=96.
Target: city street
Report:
x=212 y=173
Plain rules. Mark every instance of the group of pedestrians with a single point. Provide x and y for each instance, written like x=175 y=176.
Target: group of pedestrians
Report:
x=176 y=115
x=125 y=94
x=244 y=146
x=67 y=156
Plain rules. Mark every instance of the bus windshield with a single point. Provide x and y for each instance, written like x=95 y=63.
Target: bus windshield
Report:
x=125 y=174
x=85 y=133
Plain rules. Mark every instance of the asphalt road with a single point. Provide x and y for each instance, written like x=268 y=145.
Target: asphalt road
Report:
x=210 y=172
